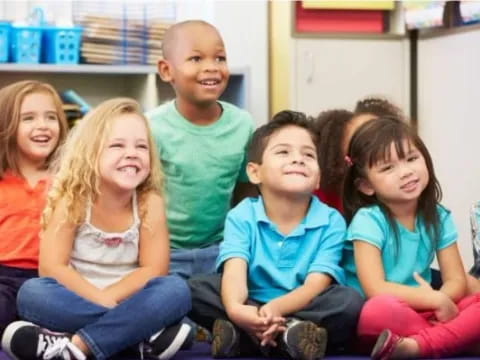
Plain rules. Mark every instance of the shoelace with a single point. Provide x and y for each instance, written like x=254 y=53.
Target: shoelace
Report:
x=144 y=346
x=53 y=346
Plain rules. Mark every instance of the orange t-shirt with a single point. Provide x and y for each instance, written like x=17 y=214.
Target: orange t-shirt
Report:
x=20 y=210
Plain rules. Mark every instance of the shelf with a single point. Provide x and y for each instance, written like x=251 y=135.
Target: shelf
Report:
x=81 y=68
x=442 y=31
x=89 y=69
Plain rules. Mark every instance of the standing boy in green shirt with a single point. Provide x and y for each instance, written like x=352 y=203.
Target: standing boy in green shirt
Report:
x=202 y=144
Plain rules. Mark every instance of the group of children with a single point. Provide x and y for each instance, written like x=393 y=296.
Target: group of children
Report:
x=115 y=232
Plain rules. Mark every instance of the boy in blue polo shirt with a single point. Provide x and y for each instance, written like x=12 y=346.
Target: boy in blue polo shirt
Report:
x=280 y=292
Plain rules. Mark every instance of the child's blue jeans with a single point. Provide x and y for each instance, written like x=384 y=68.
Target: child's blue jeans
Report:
x=162 y=302
x=188 y=262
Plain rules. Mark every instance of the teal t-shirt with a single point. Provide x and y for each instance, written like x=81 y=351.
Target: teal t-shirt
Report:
x=202 y=164
x=413 y=252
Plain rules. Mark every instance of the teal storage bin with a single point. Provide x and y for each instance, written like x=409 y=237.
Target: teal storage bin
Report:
x=4 y=41
x=26 y=43
x=61 y=45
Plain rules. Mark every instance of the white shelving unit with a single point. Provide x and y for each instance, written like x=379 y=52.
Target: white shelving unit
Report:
x=96 y=83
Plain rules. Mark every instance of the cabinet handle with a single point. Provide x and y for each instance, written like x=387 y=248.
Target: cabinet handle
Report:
x=310 y=66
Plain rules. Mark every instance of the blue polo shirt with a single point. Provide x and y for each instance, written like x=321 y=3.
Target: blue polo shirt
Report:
x=277 y=263
x=413 y=252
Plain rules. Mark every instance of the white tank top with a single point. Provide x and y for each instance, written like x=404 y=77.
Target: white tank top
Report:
x=101 y=257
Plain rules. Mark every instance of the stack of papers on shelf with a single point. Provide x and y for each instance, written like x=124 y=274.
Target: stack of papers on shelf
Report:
x=423 y=14
x=125 y=32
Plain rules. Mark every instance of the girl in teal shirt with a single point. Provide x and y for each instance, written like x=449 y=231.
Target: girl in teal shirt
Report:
x=396 y=227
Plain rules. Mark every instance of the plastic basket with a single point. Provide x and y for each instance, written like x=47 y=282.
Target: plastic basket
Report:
x=61 y=45
x=4 y=41
x=26 y=44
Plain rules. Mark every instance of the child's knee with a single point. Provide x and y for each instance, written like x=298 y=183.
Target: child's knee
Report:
x=34 y=288
x=376 y=313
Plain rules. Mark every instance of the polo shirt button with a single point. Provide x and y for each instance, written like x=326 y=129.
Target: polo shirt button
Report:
x=280 y=243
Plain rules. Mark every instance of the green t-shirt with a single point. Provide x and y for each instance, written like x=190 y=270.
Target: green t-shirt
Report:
x=202 y=164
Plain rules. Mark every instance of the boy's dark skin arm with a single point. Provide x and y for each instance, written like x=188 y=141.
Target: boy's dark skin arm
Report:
x=243 y=190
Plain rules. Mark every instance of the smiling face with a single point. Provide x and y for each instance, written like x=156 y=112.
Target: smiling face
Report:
x=38 y=129
x=196 y=65
x=397 y=180
x=125 y=160
x=289 y=163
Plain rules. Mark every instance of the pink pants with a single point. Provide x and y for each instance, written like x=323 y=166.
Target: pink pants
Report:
x=434 y=340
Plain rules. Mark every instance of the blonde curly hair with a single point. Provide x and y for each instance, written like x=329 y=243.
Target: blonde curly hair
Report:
x=76 y=165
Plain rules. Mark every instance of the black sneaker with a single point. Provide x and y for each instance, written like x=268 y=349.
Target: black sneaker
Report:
x=225 y=339
x=304 y=340
x=26 y=341
x=165 y=343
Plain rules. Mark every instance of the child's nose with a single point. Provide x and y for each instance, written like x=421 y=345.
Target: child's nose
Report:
x=211 y=65
x=298 y=158
x=131 y=152
x=42 y=122
x=405 y=170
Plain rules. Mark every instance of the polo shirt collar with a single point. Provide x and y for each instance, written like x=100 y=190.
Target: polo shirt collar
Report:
x=317 y=214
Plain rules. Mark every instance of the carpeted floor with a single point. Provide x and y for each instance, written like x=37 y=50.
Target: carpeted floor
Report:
x=201 y=351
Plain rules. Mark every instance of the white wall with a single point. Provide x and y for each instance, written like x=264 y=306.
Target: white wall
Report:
x=335 y=73
x=449 y=121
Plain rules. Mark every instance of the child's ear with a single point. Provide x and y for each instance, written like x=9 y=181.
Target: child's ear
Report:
x=364 y=186
x=164 y=70
x=253 y=173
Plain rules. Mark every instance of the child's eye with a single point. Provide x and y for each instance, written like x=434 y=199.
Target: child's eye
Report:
x=386 y=168
x=310 y=155
x=221 y=58
x=282 y=152
x=116 y=145
x=412 y=158
x=53 y=117
x=27 y=118
x=194 y=58
x=143 y=146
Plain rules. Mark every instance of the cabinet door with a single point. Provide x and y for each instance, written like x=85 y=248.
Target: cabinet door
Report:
x=335 y=73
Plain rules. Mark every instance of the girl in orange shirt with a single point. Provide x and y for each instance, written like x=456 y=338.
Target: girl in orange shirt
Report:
x=32 y=125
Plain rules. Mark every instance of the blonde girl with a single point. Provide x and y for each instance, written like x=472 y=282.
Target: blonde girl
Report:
x=32 y=125
x=104 y=251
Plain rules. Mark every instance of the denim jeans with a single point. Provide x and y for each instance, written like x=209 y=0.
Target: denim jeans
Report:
x=187 y=262
x=162 y=302
x=11 y=279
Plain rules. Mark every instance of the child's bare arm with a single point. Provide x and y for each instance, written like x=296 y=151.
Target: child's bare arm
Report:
x=234 y=293
x=234 y=284
x=298 y=298
x=371 y=276
x=56 y=244
x=452 y=271
x=154 y=251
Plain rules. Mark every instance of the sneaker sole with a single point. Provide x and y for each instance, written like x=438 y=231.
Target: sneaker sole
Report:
x=8 y=334
x=177 y=343
x=219 y=349
x=377 y=349
x=313 y=343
